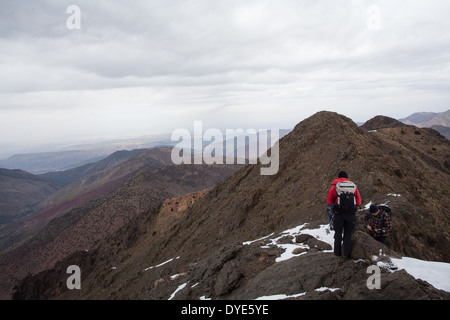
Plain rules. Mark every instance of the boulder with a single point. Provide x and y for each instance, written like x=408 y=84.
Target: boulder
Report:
x=228 y=277
x=365 y=247
x=314 y=243
x=398 y=285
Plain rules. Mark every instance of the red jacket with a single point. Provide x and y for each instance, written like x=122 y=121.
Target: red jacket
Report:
x=332 y=195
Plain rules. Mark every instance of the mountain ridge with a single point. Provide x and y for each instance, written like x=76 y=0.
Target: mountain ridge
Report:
x=439 y=121
x=89 y=222
x=428 y=119
x=404 y=166
x=79 y=185
x=20 y=192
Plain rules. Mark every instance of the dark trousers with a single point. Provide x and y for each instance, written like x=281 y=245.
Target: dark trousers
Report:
x=343 y=223
x=381 y=239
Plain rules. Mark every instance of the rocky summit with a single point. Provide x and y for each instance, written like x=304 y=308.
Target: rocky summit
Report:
x=262 y=237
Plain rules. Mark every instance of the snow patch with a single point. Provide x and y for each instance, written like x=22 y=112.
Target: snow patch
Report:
x=435 y=273
x=250 y=242
x=322 y=233
x=288 y=251
x=321 y=289
x=280 y=296
x=181 y=287
x=367 y=206
x=161 y=264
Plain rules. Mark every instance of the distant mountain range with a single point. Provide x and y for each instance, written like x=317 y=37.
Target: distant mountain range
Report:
x=74 y=156
x=70 y=188
x=428 y=119
x=440 y=121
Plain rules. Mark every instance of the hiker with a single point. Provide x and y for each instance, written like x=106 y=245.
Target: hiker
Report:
x=378 y=222
x=345 y=197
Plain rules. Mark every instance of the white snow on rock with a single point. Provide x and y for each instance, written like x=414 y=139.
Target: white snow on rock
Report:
x=259 y=239
x=367 y=206
x=435 y=273
x=321 y=289
x=181 y=287
x=322 y=233
x=161 y=264
x=280 y=296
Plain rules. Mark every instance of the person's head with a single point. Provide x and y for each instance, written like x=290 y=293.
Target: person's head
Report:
x=343 y=174
x=373 y=209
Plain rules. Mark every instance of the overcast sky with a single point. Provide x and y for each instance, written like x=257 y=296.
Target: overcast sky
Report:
x=144 y=67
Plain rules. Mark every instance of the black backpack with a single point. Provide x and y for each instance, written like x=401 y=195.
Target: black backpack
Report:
x=384 y=210
x=346 y=202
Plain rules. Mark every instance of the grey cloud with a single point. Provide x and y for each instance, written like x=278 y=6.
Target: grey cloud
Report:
x=230 y=56
x=123 y=39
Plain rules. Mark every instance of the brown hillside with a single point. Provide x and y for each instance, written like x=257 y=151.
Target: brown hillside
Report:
x=88 y=223
x=95 y=180
x=20 y=194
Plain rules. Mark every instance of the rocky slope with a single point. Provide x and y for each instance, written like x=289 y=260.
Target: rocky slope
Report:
x=445 y=131
x=83 y=226
x=77 y=186
x=99 y=179
x=21 y=192
x=208 y=249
